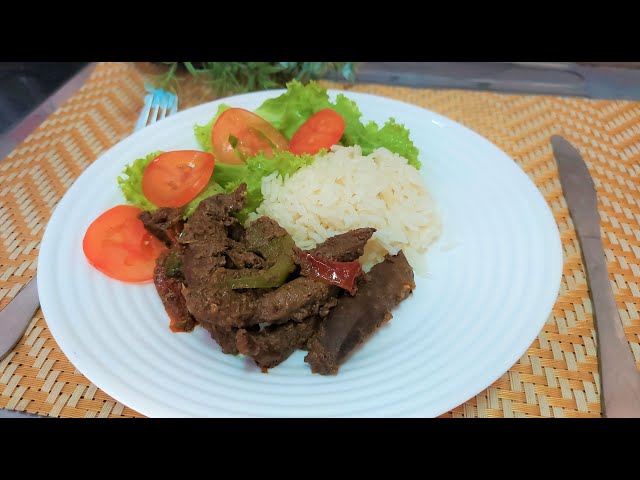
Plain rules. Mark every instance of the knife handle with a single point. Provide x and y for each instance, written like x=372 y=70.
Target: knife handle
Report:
x=619 y=377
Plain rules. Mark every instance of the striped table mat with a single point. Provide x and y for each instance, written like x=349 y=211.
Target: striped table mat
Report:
x=556 y=377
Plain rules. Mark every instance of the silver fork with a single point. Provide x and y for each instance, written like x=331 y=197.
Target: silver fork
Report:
x=15 y=317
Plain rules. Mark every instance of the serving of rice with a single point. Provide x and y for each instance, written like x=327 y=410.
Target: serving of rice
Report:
x=343 y=190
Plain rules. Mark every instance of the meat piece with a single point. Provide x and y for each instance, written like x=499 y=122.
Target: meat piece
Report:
x=225 y=337
x=223 y=277
x=165 y=224
x=205 y=236
x=208 y=251
x=295 y=300
x=208 y=241
x=236 y=232
x=302 y=297
x=275 y=343
x=213 y=217
x=262 y=230
x=355 y=319
x=345 y=247
x=239 y=258
x=222 y=307
x=272 y=242
x=201 y=260
x=169 y=289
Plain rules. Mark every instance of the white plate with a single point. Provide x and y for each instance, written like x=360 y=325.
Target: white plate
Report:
x=493 y=279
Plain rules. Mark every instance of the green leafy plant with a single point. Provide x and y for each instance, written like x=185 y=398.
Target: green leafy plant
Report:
x=239 y=77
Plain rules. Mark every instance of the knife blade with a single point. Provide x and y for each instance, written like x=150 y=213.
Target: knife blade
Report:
x=15 y=317
x=619 y=377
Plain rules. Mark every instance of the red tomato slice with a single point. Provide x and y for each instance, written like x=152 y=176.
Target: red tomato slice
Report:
x=173 y=179
x=323 y=129
x=252 y=133
x=118 y=245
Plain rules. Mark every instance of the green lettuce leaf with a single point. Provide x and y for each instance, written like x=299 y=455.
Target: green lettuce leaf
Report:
x=291 y=109
x=392 y=136
x=203 y=132
x=131 y=185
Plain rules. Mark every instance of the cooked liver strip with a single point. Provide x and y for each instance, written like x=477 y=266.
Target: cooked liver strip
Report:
x=165 y=224
x=275 y=343
x=225 y=337
x=345 y=247
x=207 y=250
x=356 y=318
x=170 y=291
x=295 y=300
x=303 y=297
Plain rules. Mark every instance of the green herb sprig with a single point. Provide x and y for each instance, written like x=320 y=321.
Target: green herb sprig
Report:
x=228 y=78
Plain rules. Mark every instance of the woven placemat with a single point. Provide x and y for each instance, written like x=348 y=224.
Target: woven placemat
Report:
x=556 y=377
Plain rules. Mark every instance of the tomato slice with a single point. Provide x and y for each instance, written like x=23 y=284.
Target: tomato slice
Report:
x=118 y=245
x=323 y=129
x=173 y=179
x=252 y=135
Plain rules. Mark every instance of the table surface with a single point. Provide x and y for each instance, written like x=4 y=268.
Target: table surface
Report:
x=24 y=85
x=556 y=377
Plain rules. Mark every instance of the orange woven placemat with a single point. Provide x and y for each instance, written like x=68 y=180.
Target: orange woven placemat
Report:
x=556 y=377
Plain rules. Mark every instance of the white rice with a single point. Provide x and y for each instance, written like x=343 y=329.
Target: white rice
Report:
x=345 y=190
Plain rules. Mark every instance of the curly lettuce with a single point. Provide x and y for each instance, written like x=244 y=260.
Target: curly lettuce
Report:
x=131 y=185
x=290 y=110
x=203 y=132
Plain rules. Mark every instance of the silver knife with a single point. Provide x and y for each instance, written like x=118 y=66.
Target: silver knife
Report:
x=619 y=377
x=15 y=317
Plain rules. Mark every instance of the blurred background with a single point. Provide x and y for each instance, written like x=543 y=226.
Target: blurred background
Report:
x=38 y=88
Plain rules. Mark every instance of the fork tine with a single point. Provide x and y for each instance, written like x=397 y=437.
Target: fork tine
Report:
x=158 y=104
x=164 y=104
x=155 y=103
x=144 y=114
x=174 y=104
